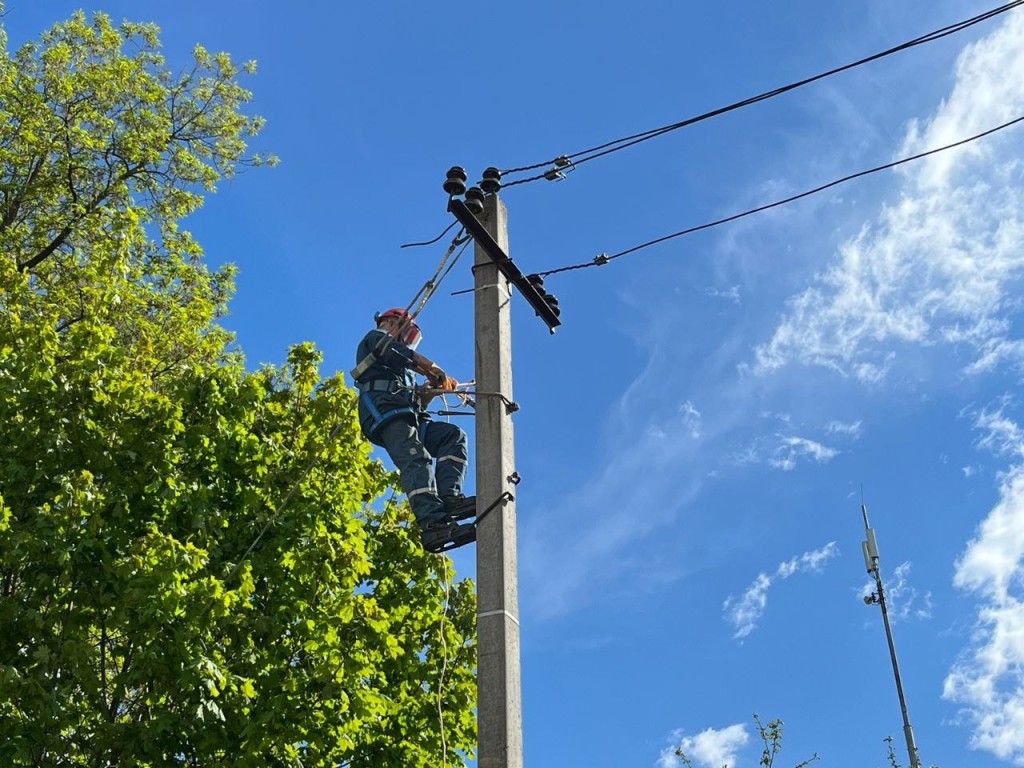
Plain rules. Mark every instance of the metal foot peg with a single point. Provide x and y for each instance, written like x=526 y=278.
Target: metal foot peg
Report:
x=452 y=536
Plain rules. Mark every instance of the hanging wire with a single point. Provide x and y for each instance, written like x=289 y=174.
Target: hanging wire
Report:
x=431 y=242
x=444 y=663
x=608 y=148
x=428 y=289
x=604 y=258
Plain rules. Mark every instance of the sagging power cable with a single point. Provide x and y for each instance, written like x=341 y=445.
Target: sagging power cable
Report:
x=583 y=156
x=430 y=242
x=430 y=287
x=605 y=258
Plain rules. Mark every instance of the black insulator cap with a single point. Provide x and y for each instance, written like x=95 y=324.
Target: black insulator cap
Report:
x=536 y=281
x=552 y=301
x=491 y=181
x=475 y=200
x=455 y=184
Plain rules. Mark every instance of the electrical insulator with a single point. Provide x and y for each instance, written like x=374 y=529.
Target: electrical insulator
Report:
x=491 y=181
x=455 y=184
x=475 y=200
x=552 y=301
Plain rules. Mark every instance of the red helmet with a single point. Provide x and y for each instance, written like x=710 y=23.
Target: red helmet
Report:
x=408 y=332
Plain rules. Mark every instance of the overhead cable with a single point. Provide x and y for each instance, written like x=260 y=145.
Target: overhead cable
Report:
x=608 y=148
x=605 y=258
x=430 y=242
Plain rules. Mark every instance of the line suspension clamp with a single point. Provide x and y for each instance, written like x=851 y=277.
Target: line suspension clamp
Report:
x=601 y=259
x=562 y=166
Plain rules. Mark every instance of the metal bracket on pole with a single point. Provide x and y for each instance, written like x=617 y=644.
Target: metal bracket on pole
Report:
x=504 y=263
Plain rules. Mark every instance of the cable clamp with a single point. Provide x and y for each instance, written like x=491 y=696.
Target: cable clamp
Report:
x=563 y=165
x=601 y=259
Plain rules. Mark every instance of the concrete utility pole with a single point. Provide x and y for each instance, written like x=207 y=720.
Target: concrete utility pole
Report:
x=499 y=697
x=870 y=549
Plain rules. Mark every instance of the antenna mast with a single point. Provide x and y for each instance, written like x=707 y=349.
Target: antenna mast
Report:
x=870 y=549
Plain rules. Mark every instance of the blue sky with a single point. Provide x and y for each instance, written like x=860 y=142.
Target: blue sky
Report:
x=695 y=440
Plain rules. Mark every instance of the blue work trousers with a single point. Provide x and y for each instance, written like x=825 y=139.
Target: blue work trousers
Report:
x=412 y=448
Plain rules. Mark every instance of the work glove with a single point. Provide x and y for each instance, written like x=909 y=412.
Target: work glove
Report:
x=441 y=380
x=437 y=377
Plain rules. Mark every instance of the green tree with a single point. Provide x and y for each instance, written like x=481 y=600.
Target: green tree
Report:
x=197 y=563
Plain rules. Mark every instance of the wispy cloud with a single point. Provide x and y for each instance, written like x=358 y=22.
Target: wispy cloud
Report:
x=745 y=611
x=943 y=263
x=786 y=452
x=691 y=419
x=792 y=449
x=999 y=433
x=989 y=679
x=732 y=293
x=712 y=747
x=839 y=428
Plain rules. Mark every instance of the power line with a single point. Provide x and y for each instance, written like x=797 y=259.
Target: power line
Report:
x=605 y=258
x=608 y=148
x=430 y=242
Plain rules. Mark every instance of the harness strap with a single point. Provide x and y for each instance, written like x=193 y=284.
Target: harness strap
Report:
x=379 y=385
x=378 y=417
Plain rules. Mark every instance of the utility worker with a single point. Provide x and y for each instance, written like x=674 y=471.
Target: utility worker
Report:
x=392 y=414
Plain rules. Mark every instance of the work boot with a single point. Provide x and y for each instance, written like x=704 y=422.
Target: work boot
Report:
x=442 y=534
x=459 y=507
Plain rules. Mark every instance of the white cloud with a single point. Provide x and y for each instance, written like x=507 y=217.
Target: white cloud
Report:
x=732 y=293
x=839 y=428
x=691 y=419
x=942 y=263
x=744 y=613
x=791 y=449
x=712 y=747
x=994 y=352
x=1001 y=435
x=988 y=680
